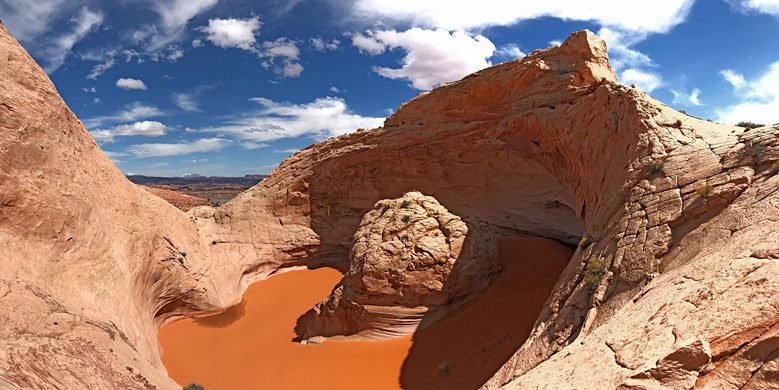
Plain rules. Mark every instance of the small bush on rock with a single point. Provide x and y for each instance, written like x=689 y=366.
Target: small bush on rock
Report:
x=678 y=123
x=444 y=368
x=405 y=204
x=774 y=169
x=594 y=272
x=406 y=218
x=655 y=166
x=704 y=190
x=193 y=386
x=749 y=124
x=378 y=206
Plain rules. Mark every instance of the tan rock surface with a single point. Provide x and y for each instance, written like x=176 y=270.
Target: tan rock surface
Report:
x=411 y=260
x=550 y=145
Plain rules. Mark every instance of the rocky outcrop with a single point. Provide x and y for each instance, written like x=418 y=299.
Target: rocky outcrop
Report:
x=181 y=200
x=411 y=260
x=674 y=284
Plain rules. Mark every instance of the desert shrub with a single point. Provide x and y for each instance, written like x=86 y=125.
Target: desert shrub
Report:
x=184 y=254
x=193 y=386
x=406 y=218
x=594 y=271
x=753 y=151
x=378 y=206
x=704 y=190
x=774 y=169
x=444 y=368
x=633 y=85
x=749 y=124
x=585 y=241
x=405 y=204
x=655 y=166
x=678 y=123
x=213 y=242
x=181 y=260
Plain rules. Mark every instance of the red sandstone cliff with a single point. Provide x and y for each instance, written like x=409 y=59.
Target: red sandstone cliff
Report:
x=674 y=286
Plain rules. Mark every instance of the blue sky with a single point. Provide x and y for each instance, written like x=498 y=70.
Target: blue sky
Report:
x=232 y=87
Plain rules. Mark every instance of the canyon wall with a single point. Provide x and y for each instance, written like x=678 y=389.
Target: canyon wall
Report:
x=673 y=284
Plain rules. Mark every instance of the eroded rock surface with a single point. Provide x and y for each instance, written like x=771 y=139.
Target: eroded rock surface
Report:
x=675 y=284
x=411 y=260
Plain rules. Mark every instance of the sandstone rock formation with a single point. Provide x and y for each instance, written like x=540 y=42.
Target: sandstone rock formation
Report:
x=675 y=285
x=411 y=260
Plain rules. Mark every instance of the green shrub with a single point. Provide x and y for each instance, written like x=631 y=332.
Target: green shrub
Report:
x=704 y=190
x=181 y=260
x=193 y=386
x=213 y=242
x=749 y=124
x=406 y=218
x=585 y=241
x=655 y=166
x=594 y=271
x=378 y=206
x=405 y=204
x=444 y=368
x=184 y=254
x=753 y=151
x=678 y=123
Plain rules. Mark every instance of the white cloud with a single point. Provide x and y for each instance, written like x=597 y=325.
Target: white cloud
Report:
x=186 y=101
x=368 y=44
x=89 y=90
x=99 y=69
x=762 y=6
x=734 y=78
x=511 y=51
x=129 y=83
x=145 y=128
x=322 y=118
x=178 y=149
x=646 y=81
x=26 y=19
x=131 y=113
x=687 y=99
x=97 y=100
x=320 y=44
x=84 y=22
x=621 y=53
x=555 y=43
x=174 y=15
x=759 y=99
x=249 y=145
x=335 y=89
x=197 y=43
x=238 y=33
x=287 y=151
x=432 y=56
x=655 y=16
x=287 y=51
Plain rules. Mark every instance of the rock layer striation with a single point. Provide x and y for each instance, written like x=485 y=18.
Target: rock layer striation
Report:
x=673 y=286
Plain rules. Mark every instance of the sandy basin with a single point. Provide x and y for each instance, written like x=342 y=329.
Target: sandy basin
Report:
x=250 y=346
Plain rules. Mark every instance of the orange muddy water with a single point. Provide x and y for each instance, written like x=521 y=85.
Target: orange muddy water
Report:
x=250 y=346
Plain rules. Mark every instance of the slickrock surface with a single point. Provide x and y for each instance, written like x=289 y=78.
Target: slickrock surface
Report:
x=411 y=260
x=675 y=285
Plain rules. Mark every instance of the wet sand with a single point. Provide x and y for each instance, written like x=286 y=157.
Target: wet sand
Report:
x=250 y=345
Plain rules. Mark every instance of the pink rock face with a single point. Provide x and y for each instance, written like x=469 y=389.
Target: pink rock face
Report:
x=411 y=260
x=680 y=218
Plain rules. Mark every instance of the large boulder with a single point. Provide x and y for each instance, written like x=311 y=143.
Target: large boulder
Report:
x=412 y=260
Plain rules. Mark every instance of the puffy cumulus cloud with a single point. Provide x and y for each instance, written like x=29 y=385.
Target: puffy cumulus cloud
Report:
x=84 y=23
x=281 y=55
x=759 y=99
x=646 y=81
x=368 y=44
x=761 y=6
x=144 y=128
x=655 y=16
x=734 y=78
x=238 y=33
x=129 y=83
x=621 y=53
x=432 y=56
x=322 y=118
x=320 y=44
x=178 y=149
x=131 y=113
x=687 y=98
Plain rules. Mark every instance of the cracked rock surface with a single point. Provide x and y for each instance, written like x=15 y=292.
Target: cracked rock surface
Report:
x=674 y=285
x=412 y=260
